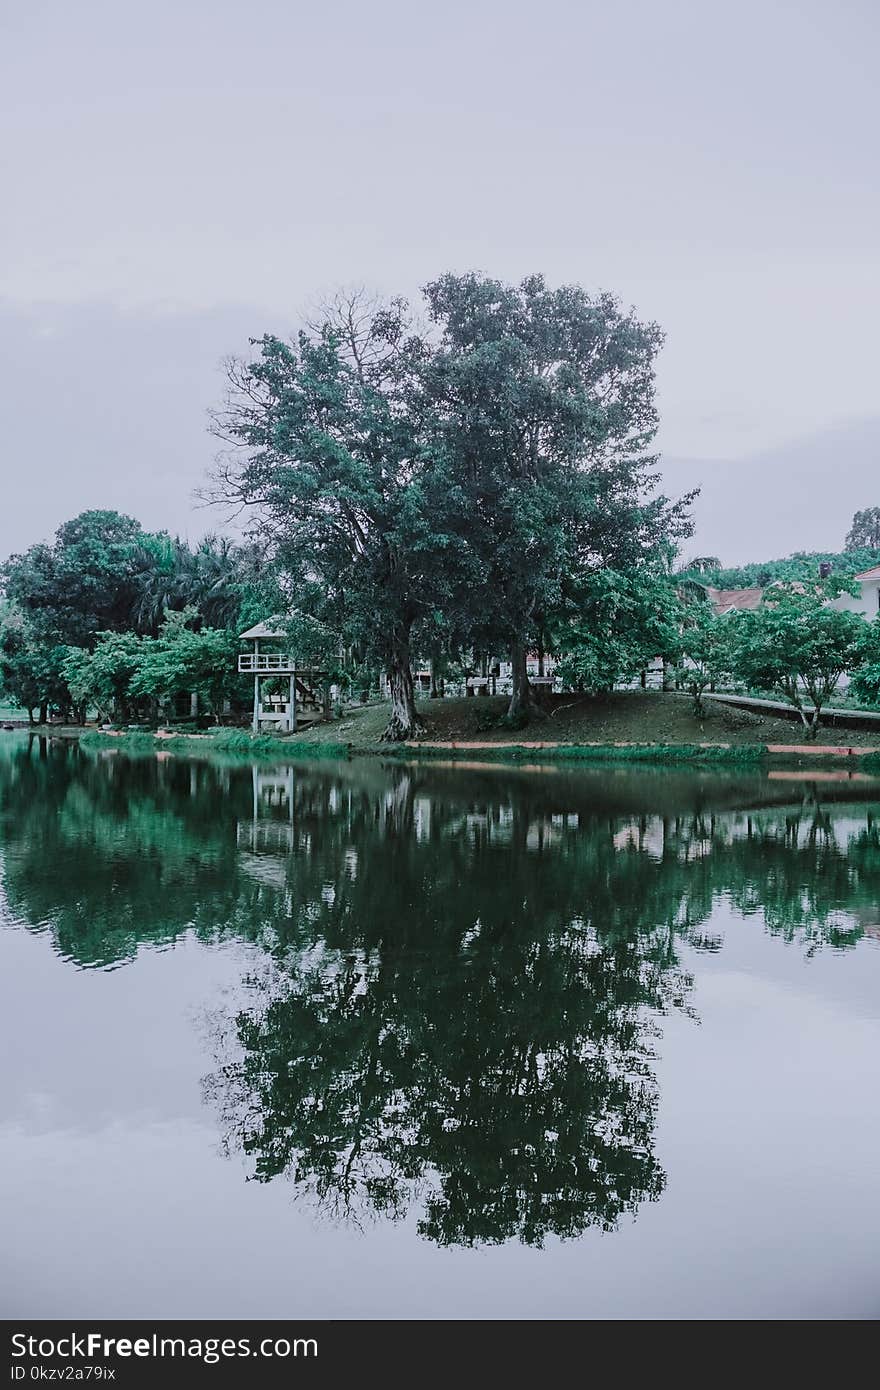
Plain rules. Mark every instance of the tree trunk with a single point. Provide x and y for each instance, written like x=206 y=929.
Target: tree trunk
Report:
x=44 y=712
x=435 y=691
x=404 y=722
x=522 y=701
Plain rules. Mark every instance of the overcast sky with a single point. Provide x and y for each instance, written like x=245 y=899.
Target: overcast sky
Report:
x=180 y=174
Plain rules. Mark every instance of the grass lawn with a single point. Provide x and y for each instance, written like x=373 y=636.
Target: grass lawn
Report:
x=625 y=717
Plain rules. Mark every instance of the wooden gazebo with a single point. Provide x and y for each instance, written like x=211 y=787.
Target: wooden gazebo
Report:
x=301 y=702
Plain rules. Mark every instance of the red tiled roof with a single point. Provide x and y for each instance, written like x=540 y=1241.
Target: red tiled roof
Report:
x=870 y=574
x=740 y=599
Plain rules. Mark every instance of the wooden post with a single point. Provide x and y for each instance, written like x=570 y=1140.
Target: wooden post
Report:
x=256 y=724
x=292 y=720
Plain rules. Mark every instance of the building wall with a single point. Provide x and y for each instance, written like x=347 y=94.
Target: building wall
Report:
x=867 y=603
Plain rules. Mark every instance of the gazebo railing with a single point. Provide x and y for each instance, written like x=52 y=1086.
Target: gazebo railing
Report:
x=265 y=663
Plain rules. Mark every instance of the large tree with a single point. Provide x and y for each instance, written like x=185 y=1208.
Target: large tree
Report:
x=330 y=456
x=83 y=583
x=31 y=670
x=543 y=406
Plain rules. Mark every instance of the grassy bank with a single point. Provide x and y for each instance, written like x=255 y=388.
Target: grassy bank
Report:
x=634 y=717
x=627 y=727
x=741 y=755
x=231 y=743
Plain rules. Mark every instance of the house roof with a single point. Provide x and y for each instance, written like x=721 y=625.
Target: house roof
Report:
x=870 y=574
x=268 y=628
x=734 y=600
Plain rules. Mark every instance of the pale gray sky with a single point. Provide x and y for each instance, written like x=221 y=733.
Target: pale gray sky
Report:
x=180 y=174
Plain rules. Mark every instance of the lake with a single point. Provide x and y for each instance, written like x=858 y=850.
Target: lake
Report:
x=378 y=1039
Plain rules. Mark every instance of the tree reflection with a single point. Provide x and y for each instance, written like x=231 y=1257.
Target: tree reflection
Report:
x=459 y=974
x=506 y=1072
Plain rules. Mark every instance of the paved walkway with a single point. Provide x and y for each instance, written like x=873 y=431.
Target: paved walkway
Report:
x=829 y=716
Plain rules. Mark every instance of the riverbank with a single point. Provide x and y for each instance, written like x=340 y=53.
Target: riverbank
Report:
x=630 y=726
x=631 y=717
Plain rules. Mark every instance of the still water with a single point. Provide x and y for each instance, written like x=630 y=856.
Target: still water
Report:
x=365 y=1040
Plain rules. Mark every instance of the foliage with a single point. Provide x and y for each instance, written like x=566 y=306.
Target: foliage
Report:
x=84 y=583
x=704 y=652
x=624 y=620
x=227 y=743
x=798 y=646
x=124 y=670
x=864 y=534
x=746 y=753
x=449 y=492
x=102 y=677
x=866 y=677
x=103 y=574
x=801 y=567
x=181 y=659
x=331 y=459
x=31 y=671
x=542 y=408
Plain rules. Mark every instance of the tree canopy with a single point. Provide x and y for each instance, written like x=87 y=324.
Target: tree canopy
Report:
x=453 y=487
x=798 y=647
x=104 y=577
x=864 y=534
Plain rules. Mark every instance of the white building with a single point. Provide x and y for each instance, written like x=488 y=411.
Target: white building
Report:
x=867 y=601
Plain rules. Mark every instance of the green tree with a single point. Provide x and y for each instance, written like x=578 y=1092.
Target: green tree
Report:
x=102 y=678
x=330 y=456
x=182 y=660
x=802 y=567
x=866 y=677
x=624 y=621
x=703 y=564
x=542 y=406
x=798 y=647
x=704 y=651
x=84 y=583
x=216 y=578
x=865 y=530
x=31 y=669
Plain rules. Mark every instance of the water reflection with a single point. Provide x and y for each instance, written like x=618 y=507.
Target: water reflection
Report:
x=462 y=970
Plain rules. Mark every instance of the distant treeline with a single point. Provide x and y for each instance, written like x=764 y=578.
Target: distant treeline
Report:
x=803 y=564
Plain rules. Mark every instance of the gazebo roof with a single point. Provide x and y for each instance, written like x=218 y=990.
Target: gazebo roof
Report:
x=269 y=628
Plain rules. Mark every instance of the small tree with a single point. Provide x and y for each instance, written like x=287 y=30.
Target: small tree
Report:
x=181 y=660
x=866 y=678
x=703 y=564
x=624 y=622
x=798 y=647
x=102 y=678
x=704 y=652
